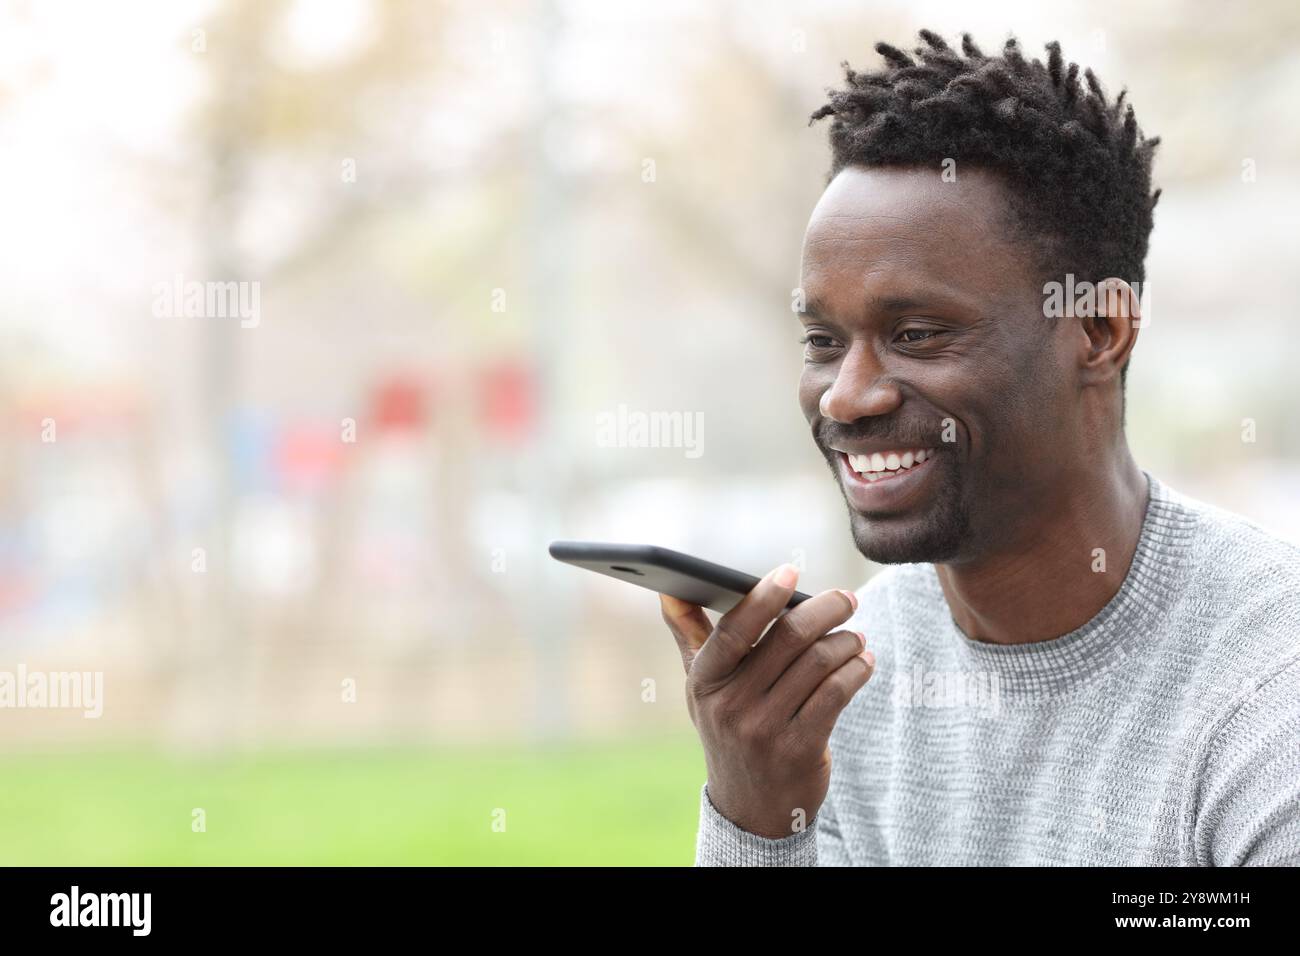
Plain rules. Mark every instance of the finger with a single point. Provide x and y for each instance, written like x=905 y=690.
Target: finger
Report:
x=689 y=625
x=814 y=665
x=796 y=631
x=740 y=628
x=816 y=718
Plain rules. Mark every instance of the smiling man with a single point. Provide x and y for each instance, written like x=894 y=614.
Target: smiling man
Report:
x=1067 y=661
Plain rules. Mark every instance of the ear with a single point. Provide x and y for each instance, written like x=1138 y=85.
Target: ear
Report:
x=1109 y=336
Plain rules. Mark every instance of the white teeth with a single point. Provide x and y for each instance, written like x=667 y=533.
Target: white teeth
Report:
x=876 y=465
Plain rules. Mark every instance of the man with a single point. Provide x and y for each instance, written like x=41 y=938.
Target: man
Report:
x=1071 y=662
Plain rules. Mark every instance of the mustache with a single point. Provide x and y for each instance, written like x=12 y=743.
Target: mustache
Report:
x=897 y=434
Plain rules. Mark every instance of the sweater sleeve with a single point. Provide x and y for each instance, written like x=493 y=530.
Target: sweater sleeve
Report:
x=1249 y=813
x=721 y=843
x=831 y=849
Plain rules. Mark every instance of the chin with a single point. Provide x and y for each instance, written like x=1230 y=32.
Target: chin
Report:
x=900 y=549
x=929 y=539
x=937 y=529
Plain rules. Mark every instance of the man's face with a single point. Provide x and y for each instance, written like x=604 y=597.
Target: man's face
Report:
x=925 y=331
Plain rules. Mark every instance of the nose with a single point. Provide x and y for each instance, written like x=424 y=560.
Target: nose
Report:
x=861 y=389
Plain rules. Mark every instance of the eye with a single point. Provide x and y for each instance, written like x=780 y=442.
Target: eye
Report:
x=920 y=335
x=813 y=340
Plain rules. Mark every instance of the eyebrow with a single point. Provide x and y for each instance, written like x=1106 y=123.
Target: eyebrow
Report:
x=890 y=303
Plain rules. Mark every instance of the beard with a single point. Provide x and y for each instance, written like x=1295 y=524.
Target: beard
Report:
x=937 y=532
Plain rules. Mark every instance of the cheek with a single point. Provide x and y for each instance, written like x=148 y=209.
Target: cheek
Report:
x=1004 y=426
x=813 y=382
x=994 y=393
x=1037 y=401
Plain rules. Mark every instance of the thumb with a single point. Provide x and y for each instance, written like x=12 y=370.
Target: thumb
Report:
x=689 y=624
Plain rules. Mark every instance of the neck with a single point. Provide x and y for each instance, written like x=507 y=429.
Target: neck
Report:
x=1055 y=580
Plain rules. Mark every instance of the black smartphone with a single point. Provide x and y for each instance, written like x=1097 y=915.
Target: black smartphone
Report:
x=692 y=579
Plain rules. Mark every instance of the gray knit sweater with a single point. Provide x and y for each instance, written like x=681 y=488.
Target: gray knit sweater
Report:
x=1165 y=731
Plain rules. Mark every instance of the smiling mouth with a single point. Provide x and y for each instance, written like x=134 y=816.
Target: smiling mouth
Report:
x=886 y=466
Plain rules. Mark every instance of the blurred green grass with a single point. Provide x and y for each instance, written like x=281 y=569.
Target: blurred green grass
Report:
x=618 y=803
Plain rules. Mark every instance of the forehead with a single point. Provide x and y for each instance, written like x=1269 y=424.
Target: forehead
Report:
x=893 y=227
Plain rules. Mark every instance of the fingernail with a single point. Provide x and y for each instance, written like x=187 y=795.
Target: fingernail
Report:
x=870 y=658
x=863 y=638
x=786 y=575
x=853 y=598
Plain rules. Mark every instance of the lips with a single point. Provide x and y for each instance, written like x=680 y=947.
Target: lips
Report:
x=875 y=490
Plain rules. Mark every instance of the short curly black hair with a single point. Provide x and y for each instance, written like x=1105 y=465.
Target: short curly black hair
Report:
x=1079 y=166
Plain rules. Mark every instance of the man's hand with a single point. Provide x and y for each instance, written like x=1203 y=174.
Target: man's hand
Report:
x=764 y=713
